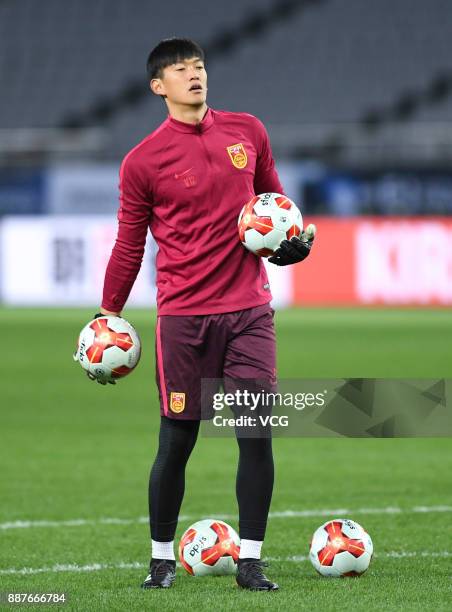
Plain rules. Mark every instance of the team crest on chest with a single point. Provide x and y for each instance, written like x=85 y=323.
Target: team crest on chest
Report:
x=238 y=156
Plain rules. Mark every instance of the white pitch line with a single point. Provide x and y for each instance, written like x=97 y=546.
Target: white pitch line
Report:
x=96 y=567
x=72 y=567
x=21 y=524
x=72 y=523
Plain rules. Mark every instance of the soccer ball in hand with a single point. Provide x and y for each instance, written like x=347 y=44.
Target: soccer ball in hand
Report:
x=209 y=548
x=108 y=348
x=266 y=220
x=341 y=548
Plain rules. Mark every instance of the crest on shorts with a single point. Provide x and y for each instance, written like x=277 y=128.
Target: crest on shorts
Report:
x=177 y=402
x=238 y=156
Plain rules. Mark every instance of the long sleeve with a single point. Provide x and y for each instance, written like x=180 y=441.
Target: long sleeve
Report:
x=133 y=216
x=266 y=178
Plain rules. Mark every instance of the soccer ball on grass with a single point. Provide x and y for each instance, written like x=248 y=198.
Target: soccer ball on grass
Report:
x=341 y=548
x=209 y=548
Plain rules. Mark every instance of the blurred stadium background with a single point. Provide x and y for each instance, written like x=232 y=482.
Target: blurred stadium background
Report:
x=357 y=98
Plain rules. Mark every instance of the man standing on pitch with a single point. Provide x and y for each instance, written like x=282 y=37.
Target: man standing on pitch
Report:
x=187 y=182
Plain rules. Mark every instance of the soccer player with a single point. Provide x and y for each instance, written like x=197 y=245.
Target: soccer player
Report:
x=187 y=182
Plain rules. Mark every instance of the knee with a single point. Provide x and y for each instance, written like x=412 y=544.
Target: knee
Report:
x=176 y=441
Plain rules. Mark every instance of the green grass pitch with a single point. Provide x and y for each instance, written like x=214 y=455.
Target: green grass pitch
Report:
x=74 y=451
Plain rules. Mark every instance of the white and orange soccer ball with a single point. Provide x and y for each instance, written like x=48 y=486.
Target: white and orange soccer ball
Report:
x=341 y=548
x=108 y=348
x=209 y=548
x=266 y=220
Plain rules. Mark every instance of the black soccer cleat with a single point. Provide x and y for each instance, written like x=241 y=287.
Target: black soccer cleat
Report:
x=250 y=576
x=162 y=574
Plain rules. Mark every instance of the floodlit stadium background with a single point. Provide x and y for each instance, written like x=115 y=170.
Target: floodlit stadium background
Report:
x=358 y=103
x=357 y=98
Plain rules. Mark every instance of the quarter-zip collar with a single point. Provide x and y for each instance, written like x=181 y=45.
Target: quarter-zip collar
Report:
x=192 y=128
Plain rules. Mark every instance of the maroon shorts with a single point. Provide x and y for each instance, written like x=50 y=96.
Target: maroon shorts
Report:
x=230 y=346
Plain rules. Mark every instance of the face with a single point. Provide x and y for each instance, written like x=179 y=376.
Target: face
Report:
x=184 y=83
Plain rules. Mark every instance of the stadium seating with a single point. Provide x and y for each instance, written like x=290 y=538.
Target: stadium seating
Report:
x=329 y=63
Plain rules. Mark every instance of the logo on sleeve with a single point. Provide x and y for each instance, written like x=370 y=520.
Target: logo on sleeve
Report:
x=177 y=402
x=238 y=156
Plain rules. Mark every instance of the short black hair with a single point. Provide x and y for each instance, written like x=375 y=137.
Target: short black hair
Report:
x=170 y=51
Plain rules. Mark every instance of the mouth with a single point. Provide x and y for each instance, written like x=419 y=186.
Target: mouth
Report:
x=196 y=87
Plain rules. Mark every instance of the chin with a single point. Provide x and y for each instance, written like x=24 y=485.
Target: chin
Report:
x=196 y=101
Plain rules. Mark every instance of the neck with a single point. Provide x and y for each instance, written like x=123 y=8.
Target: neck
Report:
x=187 y=114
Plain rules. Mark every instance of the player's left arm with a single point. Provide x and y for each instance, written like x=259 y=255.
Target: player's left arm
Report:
x=266 y=180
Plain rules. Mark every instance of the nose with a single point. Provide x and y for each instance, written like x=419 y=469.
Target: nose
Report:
x=193 y=73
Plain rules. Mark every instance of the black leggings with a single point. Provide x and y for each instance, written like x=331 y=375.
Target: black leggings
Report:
x=254 y=483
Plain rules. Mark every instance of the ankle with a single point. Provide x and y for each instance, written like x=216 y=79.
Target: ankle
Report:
x=250 y=549
x=170 y=561
x=163 y=550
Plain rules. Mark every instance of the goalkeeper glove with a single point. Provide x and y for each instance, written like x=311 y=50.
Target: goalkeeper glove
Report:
x=101 y=382
x=295 y=250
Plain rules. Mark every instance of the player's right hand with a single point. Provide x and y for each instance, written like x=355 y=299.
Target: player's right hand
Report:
x=101 y=382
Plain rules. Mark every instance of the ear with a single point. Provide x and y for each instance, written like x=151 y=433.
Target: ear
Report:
x=157 y=87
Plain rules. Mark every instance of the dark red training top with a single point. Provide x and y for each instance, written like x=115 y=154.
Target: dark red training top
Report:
x=188 y=183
